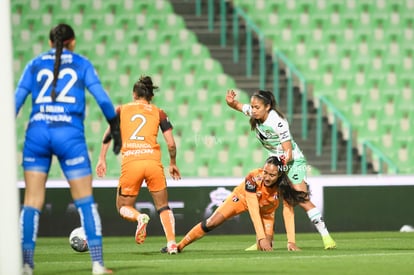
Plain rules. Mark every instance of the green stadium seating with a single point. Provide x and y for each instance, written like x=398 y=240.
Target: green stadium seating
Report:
x=373 y=42
x=371 y=68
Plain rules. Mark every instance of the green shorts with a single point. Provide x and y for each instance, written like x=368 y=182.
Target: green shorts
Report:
x=297 y=171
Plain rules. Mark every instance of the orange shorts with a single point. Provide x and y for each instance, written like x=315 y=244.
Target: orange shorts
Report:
x=133 y=174
x=233 y=205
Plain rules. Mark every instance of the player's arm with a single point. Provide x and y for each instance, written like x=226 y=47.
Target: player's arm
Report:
x=106 y=142
x=254 y=212
x=94 y=86
x=282 y=129
x=287 y=148
x=232 y=102
x=23 y=87
x=166 y=128
x=101 y=165
x=268 y=221
x=289 y=220
x=20 y=97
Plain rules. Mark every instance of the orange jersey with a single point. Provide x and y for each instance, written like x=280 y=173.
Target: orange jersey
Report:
x=268 y=197
x=139 y=130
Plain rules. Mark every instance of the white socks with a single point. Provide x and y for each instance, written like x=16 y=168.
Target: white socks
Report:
x=316 y=218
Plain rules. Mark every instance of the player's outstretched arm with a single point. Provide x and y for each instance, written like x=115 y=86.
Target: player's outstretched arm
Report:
x=289 y=220
x=232 y=102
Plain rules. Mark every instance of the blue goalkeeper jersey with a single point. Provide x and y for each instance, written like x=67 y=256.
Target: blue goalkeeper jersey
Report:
x=75 y=74
x=56 y=126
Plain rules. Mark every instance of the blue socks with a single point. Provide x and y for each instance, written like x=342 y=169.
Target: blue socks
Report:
x=29 y=224
x=90 y=219
x=91 y=222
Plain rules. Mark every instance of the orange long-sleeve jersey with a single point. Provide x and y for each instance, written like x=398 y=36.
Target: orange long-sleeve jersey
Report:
x=260 y=201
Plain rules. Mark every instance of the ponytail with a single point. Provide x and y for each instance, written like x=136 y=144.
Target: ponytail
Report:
x=144 y=88
x=288 y=193
x=60 y=36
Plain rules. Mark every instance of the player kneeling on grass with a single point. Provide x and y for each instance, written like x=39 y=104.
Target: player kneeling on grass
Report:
x=259 y=194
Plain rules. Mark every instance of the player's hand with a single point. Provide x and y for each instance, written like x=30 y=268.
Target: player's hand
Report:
x=283 y=159
x=101 y=169
x=175 y=172
x=265 y=245
x=292 y=247
x=230 y=98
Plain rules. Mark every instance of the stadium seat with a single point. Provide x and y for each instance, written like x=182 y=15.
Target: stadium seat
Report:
x=372 y=57
x=333 y=43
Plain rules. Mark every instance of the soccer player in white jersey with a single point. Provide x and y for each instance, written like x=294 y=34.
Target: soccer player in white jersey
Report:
x=272 y=130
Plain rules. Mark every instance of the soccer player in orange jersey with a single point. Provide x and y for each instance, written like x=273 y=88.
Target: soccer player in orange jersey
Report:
x=141 y=160
x=259 y=194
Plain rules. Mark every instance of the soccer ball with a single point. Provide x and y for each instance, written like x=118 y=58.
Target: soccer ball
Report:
x=77 y=240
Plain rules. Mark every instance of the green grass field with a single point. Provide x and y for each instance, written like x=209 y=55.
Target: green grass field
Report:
x=357 y=253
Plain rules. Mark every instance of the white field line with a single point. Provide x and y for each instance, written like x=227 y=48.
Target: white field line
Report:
x=169 y=258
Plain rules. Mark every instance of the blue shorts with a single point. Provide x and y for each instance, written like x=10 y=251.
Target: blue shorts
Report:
x=66 y=142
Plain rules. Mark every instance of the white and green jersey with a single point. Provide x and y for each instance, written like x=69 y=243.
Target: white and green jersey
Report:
x=272 y=133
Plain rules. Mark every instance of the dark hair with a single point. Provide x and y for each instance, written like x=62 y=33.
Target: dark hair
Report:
x=60 y=36
x=267 y=98
x=292 y=196
x=144 y=88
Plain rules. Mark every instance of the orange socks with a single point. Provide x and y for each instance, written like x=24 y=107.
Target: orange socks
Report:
x=194 y=234
x=168 y=224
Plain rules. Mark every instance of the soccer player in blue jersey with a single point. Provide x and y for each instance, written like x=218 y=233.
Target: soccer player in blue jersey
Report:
x=56 y=81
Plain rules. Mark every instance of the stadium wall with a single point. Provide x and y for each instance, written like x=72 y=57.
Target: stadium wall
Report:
x=349 y=203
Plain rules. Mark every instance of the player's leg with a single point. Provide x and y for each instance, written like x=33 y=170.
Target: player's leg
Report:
x=297 y=175
x=315 y=216
x=128 y=212
x=36 y=147
x=130 y=181
x=72 y=147
x=157 y=185
x=231 y=207
x=167 y=218
x=29 y=217
x=202 y=228
x=81 y=189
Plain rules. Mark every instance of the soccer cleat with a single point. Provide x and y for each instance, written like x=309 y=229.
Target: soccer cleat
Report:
x=27 y=270
x=328 y=242
x=98 y=269
x=172 y=249
x=251 y=248
x=141 y=232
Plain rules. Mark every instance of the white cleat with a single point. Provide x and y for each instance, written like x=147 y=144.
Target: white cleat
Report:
x=98 y=269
